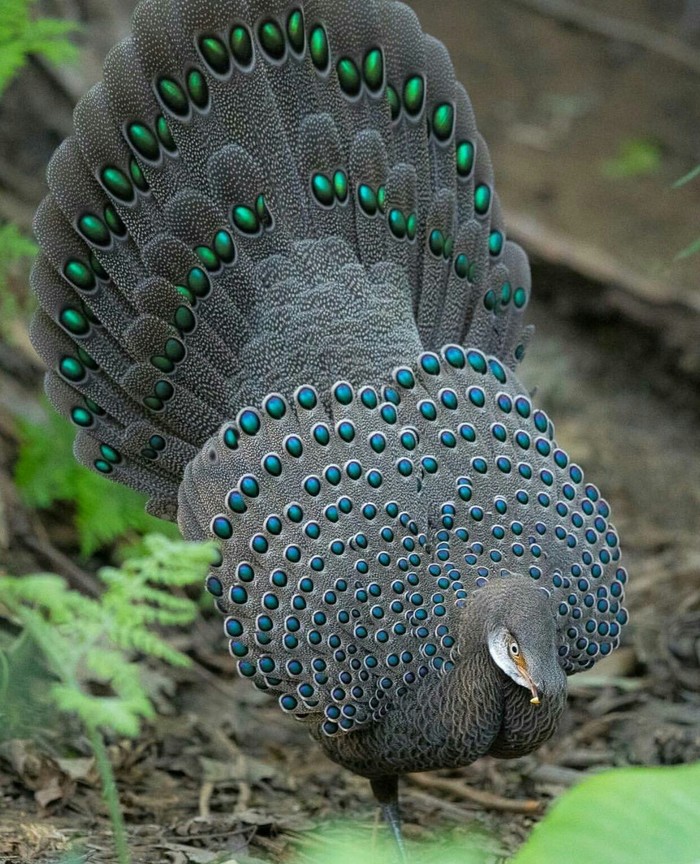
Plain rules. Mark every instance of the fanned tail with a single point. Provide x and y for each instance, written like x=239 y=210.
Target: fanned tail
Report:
x=260 y=194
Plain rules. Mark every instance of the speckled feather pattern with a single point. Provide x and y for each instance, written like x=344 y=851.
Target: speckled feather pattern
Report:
x=274 y=264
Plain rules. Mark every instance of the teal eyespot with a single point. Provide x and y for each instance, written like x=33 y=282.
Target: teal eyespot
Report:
x=465 y=158
x=117 y=183
x=215 y=54
x=246 y=219
x=74 y=321
x=348 y=76
x=137 y=175
x=173 y=97
x=94 y=230
x=208 y=257
x=340 y=185
x=114 y=222
x=241 y=45
x=79 y=275
x=461 y=266
x=392 y=97
x=82 y=417
x=495 y=243
x=367 y=198
x=519 y=297
x=72 y=369
x=197 y=88
x=322 y=189
x=165 y=135
x=223 y=247
x=318 y=47
x=482 y=199
x=373 y=69
x=413 y=95
x=397 y=224
x=443 y=121
x=411 y=226
x=295 y=30
x=143 y=141
x=272 y=39
x=436 y=242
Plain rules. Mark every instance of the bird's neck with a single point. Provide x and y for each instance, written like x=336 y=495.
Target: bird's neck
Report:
x=443 y=722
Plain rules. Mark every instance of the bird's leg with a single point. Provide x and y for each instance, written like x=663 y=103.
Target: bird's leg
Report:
x=386 y=791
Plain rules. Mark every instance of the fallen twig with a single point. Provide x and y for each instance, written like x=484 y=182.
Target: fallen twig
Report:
x=487 y=800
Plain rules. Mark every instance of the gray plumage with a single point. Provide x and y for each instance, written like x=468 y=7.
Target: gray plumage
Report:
x=276 y=296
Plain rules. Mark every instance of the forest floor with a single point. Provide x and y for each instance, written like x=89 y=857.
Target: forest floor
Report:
x=221 y=775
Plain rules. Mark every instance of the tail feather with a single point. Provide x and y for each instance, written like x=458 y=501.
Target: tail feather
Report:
x=249 y=202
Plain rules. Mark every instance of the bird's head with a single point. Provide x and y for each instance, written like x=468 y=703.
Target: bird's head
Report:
x=516 y=620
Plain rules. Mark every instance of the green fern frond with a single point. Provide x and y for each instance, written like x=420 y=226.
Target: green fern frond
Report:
x=22 y=34
x=46 y=473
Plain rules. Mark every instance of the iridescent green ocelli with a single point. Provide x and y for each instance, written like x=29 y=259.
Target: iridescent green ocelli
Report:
x=143 y=141
x=99 y=271
x=74 y=321
x=173 y=97
x=318 y=48
x=209 y=258
x=137 y=175
x=340 y=185
x=224 y=248
x=198 y=89
x=348 y=76
x=462 y=266
x=373 y=70
x=397 y=224
x=71 y=369
x=392 y=97
x=82 y=417
x=443 y=121
x=114 y=222
x=464 y=155
x=79 y=275
x=117 y=183
x=367 y=198
x=495 y=243
x=263 y=213
x=271 y=39
x=215 y=54
x=413 y=95
x=295 y=31
x=436 y=242
x=323 y=190
x=411 y=226
x=245 y=219
x=94 y=230
x=482 y=199
x=165 y=136
x=241 y=45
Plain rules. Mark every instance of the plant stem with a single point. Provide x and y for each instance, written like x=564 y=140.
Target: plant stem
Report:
x=110 y=794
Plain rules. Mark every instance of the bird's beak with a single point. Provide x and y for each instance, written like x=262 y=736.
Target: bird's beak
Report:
x=530 y=683
x=533 y=689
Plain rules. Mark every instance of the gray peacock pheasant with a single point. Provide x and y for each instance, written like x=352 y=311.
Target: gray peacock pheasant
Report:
x=276 y=296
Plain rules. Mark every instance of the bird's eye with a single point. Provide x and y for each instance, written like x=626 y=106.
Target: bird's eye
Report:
x=514 y=649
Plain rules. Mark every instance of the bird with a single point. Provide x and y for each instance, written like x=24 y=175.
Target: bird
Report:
x=276 y=295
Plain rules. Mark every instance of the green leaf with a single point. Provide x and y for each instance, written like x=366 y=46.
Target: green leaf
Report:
x=637 y=157
x=629 y=816
x=46 y=472
x=21 y=34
